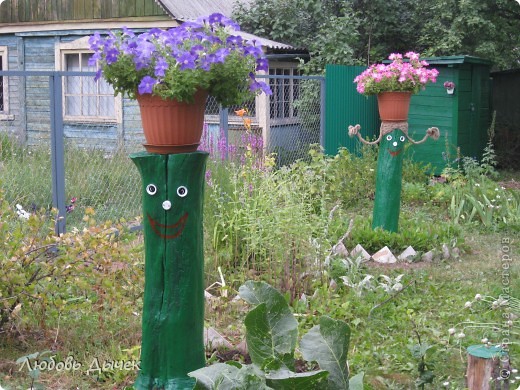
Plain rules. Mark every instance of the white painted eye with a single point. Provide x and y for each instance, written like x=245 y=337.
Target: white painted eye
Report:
x=388 y=137
x=182 y=191
x=402 y=138
x=151 y=189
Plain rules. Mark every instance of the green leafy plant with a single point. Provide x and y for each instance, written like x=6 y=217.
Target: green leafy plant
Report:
x=271 y=335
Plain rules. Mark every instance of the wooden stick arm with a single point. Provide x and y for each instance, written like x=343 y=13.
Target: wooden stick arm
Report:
x=386 y=127
x=354 y=131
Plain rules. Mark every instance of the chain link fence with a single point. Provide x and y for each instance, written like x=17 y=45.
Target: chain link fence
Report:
x=63 y=127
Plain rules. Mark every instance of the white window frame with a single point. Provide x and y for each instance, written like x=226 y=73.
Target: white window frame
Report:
x=291 y=118
x=81 y=46
x=4 y=57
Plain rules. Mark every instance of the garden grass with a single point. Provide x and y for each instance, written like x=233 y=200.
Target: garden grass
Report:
x=434 y=302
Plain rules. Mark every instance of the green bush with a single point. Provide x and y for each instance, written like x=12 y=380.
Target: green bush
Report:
x=80 y=272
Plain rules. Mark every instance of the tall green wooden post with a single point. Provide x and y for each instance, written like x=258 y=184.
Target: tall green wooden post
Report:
x=173 y=308
x=392 y=139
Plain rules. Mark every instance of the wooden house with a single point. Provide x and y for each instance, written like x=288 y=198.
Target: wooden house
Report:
x=52 y=35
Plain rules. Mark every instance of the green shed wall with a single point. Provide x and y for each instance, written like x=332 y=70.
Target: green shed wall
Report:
x=345 y=106
x=462 y=118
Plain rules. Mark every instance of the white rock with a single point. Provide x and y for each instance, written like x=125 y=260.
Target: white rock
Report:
x=359 y=251
x=428 y=257
x=384 y=256
x=408 y=252
x=214 y=340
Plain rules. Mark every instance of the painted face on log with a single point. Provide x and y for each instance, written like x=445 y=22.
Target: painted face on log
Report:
x=394 y=142
x=173 y=230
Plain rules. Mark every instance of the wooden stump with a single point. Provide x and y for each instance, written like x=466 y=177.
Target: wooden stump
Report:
x=173 y=304
x=484 y=368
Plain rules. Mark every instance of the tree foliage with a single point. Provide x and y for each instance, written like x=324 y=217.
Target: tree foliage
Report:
x=366 y=31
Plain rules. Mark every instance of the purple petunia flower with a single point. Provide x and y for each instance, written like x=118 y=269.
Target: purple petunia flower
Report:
x=160 y=67
x=215 y=18
x=235 y=40
x=186 y=60
x=146 y=85
x=262 y=64
x=220 y=55
x=111 y=55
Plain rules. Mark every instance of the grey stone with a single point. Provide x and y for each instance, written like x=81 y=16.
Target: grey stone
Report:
x=242 y=347
x=214 y=340
x=359 y=251
x=428 y=257
x=408 y=252
x=445 y=251
x=384 y=256
x=339 y=249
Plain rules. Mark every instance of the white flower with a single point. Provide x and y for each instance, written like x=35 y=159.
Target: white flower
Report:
x=514 y=371
x=502 y=188
x=477 y=185
x=467 y=305
x=496 y=189
x=397 y=287
x=446 y=384
x=484 y=340
x=451 y=331
x=478 y=297
x=461 y=335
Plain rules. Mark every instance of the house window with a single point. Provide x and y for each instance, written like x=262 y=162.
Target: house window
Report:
x=85 y=98
x=3 y=82
x=285 y=93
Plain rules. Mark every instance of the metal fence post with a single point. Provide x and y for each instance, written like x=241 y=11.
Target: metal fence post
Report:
x=322 y=112
x=57 y=151
x=224 y=126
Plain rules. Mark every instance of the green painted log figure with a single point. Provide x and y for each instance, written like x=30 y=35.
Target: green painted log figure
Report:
x=392 y=139
x=173 y=307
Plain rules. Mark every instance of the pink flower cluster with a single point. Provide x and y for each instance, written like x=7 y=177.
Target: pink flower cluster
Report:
x=398 y=76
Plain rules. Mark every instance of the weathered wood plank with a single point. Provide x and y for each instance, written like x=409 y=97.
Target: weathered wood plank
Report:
x=96 y=9
x=115 y=9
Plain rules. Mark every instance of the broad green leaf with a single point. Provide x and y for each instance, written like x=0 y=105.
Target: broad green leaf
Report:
x=356 y=382
x=287 y=380
x=327 y=344
x=222 y=376
x=271 y=330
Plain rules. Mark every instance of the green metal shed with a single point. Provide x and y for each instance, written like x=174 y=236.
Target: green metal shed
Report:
x=462 y=117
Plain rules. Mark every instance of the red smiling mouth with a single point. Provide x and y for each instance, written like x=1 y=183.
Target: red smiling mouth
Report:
x=394 y=153
x=177 y=227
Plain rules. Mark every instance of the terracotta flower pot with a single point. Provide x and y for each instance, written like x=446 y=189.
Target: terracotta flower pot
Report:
x=170 y=126
x=394 y=106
